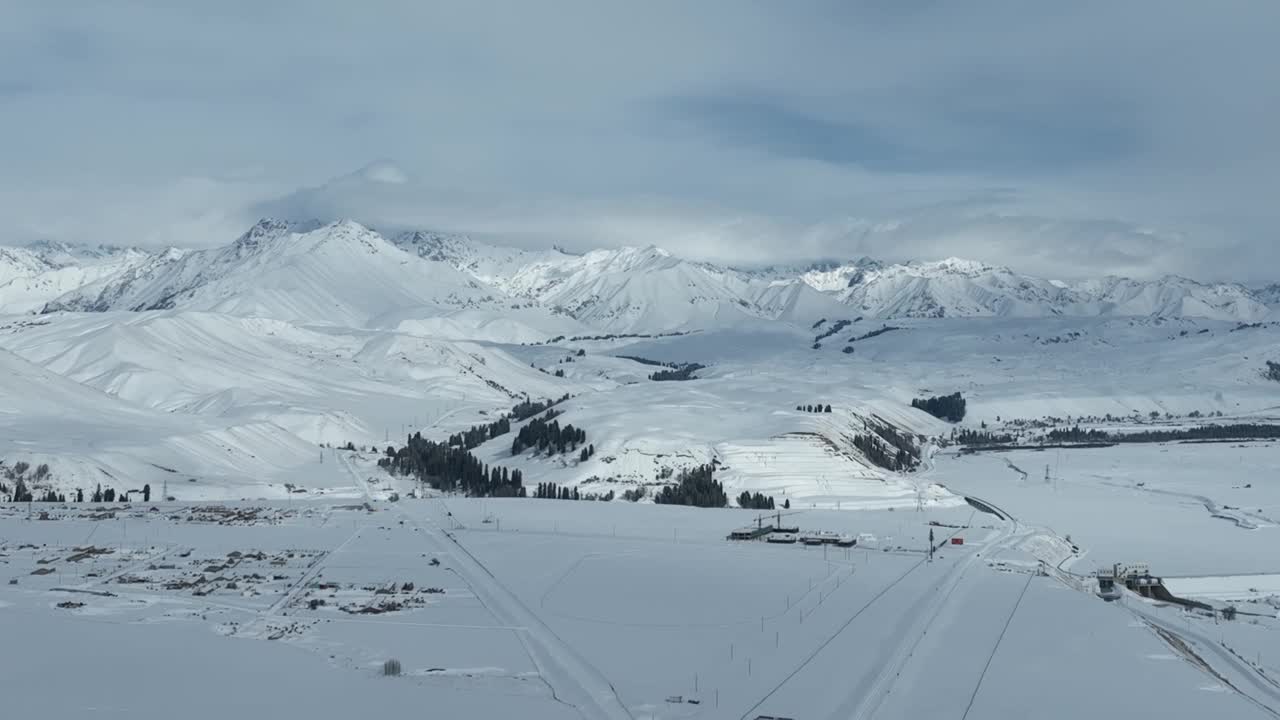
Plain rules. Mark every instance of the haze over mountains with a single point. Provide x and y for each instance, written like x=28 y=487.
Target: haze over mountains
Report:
x=347 y=274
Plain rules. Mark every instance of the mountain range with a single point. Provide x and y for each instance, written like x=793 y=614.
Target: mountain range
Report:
x=344 y=273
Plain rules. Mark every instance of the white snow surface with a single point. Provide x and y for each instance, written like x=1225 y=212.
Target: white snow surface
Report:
x=226 y=378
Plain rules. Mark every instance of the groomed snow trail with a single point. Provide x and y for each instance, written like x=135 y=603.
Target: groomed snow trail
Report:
x=863 y=705
x=573 y=680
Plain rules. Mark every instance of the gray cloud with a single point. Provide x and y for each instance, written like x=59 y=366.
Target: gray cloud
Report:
x=1082 y=137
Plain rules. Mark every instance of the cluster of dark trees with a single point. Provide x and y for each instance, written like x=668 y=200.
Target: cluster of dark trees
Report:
x=452 y=469
x=819 y=408
x=551 y=491
x=528 y=408
x=1250 y=326
x=587 y=453
x=477 y=435
x=1077 y=435
x=1238 y=431
x=636 y=494
x=1273 y=371
x=645 y=361
x=20 y=469
x=109 y=494
x=818 y=324
x=620 y=336
x=966 y=436
x=680 y=372
x=946 y=407
x=23 y=493
x=546 y=434
x=671 y=371
x=695 y=486
x=879 y=455
x=888 y=448
x=874 y=333
x=757 y=501
x=835 y=327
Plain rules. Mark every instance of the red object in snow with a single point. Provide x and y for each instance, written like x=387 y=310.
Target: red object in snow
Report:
x=957 y=541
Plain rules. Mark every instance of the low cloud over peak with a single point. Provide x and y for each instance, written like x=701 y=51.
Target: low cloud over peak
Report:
x=1084 y=139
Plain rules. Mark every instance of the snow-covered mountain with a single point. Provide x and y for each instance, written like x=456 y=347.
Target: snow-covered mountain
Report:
x=342 y=273
x=490 y=264
x=650 y=290
x=965 y=288
x=36 y=274
x=1269 y=295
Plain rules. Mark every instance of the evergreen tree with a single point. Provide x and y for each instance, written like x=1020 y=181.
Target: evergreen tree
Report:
x=97 y=494
x=948 y=407
x=696 y=487
x=786 y=504
x=146 y=493
x=20 y=491
x=79 y=495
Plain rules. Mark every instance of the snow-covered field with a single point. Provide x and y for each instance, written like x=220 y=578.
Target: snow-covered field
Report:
x=556 y=609
x=1184 y=509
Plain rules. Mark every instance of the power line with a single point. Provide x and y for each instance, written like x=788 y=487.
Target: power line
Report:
x=1000 y=639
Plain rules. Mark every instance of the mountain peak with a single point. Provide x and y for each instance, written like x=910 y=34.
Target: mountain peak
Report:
x=959 y=266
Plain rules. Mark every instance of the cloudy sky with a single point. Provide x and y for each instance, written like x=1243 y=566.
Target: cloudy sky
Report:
x=1135 y=137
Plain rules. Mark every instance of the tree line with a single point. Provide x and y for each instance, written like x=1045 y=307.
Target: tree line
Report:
x=528 y=408
x=965 y=436
x=547 y=436
x=451 y=468
x=1238 y=431
x=696 y=487
x=551 y=491
x=23 y=493
x=887 y=448
x=819 y=408
x=681 y=372
x=477 y=435
x=834 y=328
x=874 y=333
x=946 y=407
x=756 y=501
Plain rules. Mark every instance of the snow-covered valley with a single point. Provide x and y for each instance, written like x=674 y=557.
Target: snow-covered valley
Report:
x=248 y=392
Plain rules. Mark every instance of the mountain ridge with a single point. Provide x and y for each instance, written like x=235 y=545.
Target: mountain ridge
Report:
x=627 y=289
